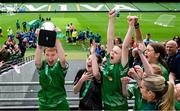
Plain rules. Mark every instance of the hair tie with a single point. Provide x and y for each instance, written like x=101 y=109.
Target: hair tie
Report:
x=166 y=83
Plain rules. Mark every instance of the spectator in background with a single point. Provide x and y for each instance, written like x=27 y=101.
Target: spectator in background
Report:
x=81 y=39
x=71 y=28
x=4 y=54
x=67 y=30
x=173 y=61
x=10 y=32
x=21 y=43
x=118 y=41
x=10 y=43
x=1 y=34
x=177 y=39
x=147 y=40
x=91 y=35
x=87 y=32
x=103 y=51
x=137 y=60
x=97 y=38
x=171 y=51
x=98 y=49
x=24 y=26
x=80 y=36
x=131 y=47
x=74 y=35
x=17 y=24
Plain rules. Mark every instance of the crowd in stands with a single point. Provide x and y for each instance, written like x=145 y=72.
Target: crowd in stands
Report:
x=16 y=43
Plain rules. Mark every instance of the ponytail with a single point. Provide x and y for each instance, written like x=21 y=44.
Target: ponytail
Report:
x=168 y=98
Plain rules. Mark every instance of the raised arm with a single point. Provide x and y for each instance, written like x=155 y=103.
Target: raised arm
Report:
x=137 y=31
x=147 y=67
x=60 y=52
x=126 y=42
x=38 y=54
x=110 y=31
x=78 y=85
x=95 y=66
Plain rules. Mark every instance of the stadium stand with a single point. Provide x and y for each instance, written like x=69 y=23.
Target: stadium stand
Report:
x=86 y=1
x=89 y=7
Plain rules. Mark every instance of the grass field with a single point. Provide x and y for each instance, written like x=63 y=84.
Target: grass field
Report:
x=97 y=22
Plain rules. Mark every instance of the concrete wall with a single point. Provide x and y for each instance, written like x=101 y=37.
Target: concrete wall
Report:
x=26 y=75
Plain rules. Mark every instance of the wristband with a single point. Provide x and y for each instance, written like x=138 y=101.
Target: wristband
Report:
x=136 y=26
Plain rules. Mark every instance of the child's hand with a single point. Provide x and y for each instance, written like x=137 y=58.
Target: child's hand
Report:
x=37 y=32
x=132 y=20
x=93 y=48
x=112 y=13
x=125 y=80
x=86 y=76
x=133 y=74
x=139 y=70
x=141 y=47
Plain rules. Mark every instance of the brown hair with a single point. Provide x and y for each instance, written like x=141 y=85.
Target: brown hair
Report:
x=50 y=49
x=159 y=48
x=4 y=55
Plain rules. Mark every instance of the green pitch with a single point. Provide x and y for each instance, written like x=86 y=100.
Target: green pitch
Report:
x=97 y=22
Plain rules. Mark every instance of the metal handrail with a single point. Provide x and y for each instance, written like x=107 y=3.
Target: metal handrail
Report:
x=27 y=83
x=32 y=99
x=30 y=91
x=35 y=100
x=37 y=83
x=17 y=61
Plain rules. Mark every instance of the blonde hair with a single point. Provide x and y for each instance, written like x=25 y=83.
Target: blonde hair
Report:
x=163 y=90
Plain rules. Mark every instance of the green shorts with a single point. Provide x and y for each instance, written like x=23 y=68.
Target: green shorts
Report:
x=64 y=105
